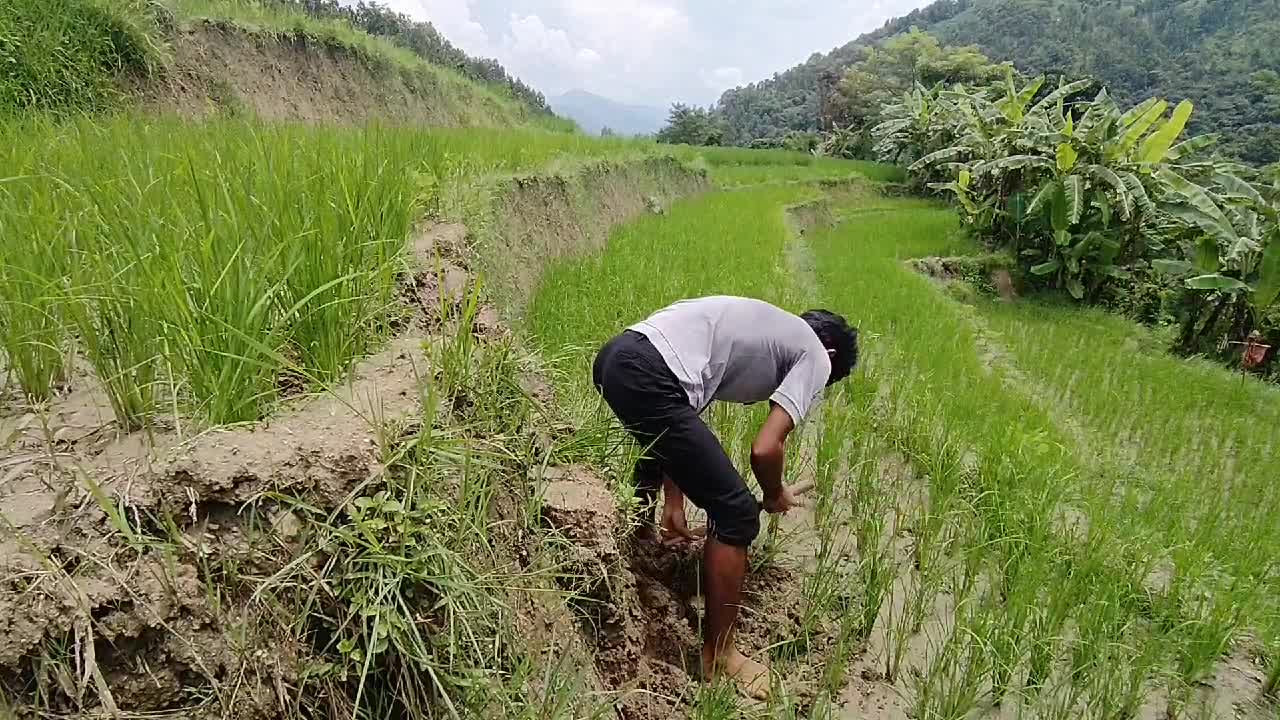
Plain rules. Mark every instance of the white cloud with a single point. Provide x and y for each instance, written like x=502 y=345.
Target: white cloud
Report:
x=547 y=54
x=637 y=36
x=650 y=51
x=454 y=19
x=722 y=78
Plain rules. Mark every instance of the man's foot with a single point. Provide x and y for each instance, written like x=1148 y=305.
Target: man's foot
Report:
x=751 y=677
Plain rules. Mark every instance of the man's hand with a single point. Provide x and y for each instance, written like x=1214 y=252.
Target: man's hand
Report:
x=780 y=502
x=675 y=527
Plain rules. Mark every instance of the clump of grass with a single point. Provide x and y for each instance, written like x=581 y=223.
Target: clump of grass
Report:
x=65 y=55
x=214 y=265
x=32 y=322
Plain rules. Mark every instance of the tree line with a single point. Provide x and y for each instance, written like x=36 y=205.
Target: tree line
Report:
x=1221 y=55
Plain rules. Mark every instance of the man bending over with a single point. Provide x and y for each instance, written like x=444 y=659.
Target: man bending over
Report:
x=661 y=374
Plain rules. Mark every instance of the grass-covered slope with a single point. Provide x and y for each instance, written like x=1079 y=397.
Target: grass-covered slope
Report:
x=204 y=57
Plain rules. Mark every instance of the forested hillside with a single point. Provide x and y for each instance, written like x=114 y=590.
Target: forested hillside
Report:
x=1221 y=54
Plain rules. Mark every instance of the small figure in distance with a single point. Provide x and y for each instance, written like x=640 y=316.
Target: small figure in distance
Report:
x=659 y=375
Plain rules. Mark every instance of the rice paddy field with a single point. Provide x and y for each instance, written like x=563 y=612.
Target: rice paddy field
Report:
x=274 y=449
x=1028 y=510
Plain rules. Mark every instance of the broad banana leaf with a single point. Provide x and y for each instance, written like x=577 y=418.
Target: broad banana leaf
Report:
x=1216 y=282
x=1121 y=191
x=1139 y=110
x=1062 y=93
x=1140 y=125
x=1138 y=191
x=1075 y=287
x=1206 y=256
x=934 y=157
x=1081 y=248
x=1209 y=216
x=1157 y=145
x=1103 y=204
x=961 y=193
x=1067 y=158
x=1098 y=109
x=1267 y=290
x=1076 y=199
x=1042 y=198
x=888 y=127
x=1176 y=268
x=1059 y=210
x=1014 y=162
x=1235 y=187
x=1048 y=268
x=1109 y=249
x=1191 y=146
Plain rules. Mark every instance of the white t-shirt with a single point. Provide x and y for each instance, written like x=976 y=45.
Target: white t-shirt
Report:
x=740 y=350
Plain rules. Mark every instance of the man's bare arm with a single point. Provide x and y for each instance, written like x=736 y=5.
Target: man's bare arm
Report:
x=769 y=452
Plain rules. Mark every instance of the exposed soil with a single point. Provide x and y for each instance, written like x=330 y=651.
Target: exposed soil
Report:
x=994 y=278
x=219 y=68
x=638 y=600
x=802 y=220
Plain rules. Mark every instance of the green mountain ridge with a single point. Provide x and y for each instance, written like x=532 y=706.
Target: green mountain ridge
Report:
x=1221 y=54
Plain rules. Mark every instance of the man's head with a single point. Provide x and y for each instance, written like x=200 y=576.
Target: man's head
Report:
x=840 y=340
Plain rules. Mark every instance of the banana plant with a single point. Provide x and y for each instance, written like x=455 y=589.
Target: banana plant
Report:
x=1247 y=271
x=1079 y=190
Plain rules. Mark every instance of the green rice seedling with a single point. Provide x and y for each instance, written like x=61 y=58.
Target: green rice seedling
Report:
x=231 y=259
x=64 y=56
x=120 y=340
x=32 y=326
x=843 y=650
x=951 y=687
x=32 y=322
x=898 y=631
x=826 y=594
x=716 y=701
x=875 y=569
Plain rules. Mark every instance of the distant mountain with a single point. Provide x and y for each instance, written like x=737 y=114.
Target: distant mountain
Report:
x=594 y=113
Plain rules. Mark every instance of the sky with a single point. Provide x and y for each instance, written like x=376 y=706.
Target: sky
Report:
x=651 y=52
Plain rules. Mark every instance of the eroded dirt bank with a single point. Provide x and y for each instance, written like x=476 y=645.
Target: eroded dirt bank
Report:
x=218 y=67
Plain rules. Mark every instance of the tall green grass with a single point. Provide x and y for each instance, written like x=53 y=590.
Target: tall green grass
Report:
x=216 y=265
x=65 y=55
x=582 y=302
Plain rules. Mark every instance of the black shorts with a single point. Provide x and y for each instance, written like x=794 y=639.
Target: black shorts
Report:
x=646 y=396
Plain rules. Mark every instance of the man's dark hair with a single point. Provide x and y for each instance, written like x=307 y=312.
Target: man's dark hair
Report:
x=836 y=334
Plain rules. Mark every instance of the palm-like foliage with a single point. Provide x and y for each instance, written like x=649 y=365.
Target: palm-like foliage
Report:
x=1083 y=192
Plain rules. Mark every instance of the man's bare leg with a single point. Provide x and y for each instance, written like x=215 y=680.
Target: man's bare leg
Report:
x=725 y=566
